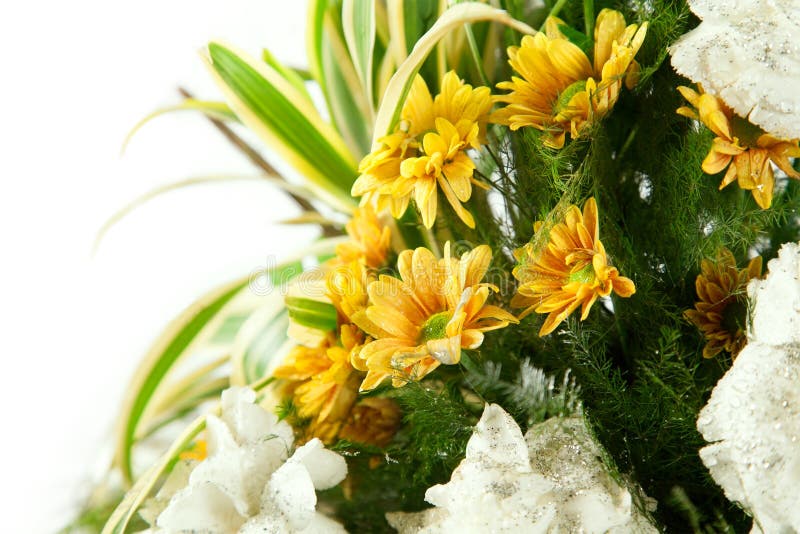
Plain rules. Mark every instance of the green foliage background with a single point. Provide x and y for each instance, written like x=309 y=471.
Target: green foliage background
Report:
x=639 y=367
x=635 y=366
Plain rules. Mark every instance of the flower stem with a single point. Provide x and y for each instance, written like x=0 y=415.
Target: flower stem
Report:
x=476 y=56
x=588 y=17
x=554 y=12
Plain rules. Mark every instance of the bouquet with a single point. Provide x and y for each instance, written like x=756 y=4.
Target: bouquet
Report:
x=557 y=287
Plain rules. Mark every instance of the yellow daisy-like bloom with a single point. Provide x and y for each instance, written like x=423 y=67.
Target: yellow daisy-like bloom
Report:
x=427 y=151
x=721 y=312
x=369 y=240
x=561 y=89
x=373 y=420
x=425 y=317
x=571 y=271
x=323 y=384
x=741 y=147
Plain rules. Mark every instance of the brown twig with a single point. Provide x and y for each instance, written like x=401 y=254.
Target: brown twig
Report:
x=259 y=161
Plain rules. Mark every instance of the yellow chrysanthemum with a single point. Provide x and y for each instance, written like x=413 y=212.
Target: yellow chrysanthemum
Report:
x=323 y=384
x=427 y=151
x=721 y=312
x=369 y=240
x=373 y=420
x=561 y=89
x=425 y=317
x=741 y=147
x=571 y=271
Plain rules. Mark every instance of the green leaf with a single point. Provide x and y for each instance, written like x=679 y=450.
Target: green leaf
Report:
x=198 y=180
x=182 y=334
x=284 y=118
x=215 y=110
x=312 y=313
x=358 y=24
x=455 y=17
x=314 y=40
x=261 y=342
x=347 y=102
x=291 y=75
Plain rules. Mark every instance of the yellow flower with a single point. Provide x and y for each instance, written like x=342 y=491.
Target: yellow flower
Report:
x=425 y=317
x=323 y=384
x=374 y=420
x=369 y=240
x=571 y=271
x=722 y=309
x=741 y=147
x=559 y=90
x=428 y=151
x=198 y=451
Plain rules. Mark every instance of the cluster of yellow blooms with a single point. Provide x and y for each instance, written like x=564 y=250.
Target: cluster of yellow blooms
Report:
x=401 y=328
x=428 y=151
x=387 y=328
x=561 y=89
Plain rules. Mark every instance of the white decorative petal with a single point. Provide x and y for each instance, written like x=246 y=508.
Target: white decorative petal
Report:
x=776 y=300
x=292 y=492
x=497 y=440
x=549 y=481
x=325 y=467
x=752 y=420
x=176 y=481
x=200 y=508
x=748 y=53
x=248 y=483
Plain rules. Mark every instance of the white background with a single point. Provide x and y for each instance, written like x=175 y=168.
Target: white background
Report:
x=74 y=77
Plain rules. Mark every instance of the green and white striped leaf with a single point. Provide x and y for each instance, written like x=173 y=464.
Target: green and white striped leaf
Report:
x=359 y=26
x=286 y=121
x=288 y=73
x=347 y=102
x=261 y=344
x=215 y=110
x=280 y=183
x=400 y=84
x=189 y=331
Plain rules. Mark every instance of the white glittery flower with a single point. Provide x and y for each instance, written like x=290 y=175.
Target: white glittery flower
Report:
x=548 y=481
x=248 y=483
x=752 y=419
x=747 y=52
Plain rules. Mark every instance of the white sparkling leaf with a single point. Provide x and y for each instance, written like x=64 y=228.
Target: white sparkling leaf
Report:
x=497 y=440
x=776 y=300
x=325 y=467
x=752 y=419
x=291 y=490
x=248 y=483
x=200 y=508
x=748 y=53
x=551 y=480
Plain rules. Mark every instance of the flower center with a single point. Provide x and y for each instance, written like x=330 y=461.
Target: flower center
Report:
x=566 y=95
x=585 y=275
x=434 y=327
x=734 y=316
x=747 y=132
